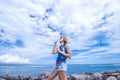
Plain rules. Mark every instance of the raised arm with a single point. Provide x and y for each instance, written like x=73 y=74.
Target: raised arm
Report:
x=54 y=51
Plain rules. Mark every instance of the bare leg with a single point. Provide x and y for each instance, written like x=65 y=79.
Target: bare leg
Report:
x=62 y=75
x=53 y=75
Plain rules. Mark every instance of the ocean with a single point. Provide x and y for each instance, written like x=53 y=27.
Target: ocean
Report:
x=34 y=70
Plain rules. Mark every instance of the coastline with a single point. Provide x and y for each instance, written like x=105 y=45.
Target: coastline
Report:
x=114 y=75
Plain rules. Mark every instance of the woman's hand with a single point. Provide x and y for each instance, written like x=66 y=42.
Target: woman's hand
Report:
x=55 y=43
x=58 y=50
x=54 y=51
x=68 y=54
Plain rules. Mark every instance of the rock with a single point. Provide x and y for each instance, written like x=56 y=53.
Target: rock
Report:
x=56 y=78
x=43 y=76
x=36 y=79
x=87 y=73
x=115 y=74
x=117 y=71
x=24 y=77
x=2 y=79
x=74 y=77
x=111 y=78
x=31 y=79
x=106 y=75
x=97 y=76
x=79 y=77
x=118 y=77
x=6 y=77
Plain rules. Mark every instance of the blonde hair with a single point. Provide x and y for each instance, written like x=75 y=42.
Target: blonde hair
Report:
x=65 y=40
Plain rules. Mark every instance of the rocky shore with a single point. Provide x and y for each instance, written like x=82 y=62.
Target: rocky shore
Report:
x=114 y=75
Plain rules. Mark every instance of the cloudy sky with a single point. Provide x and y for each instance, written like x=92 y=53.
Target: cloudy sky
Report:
x=28 y=29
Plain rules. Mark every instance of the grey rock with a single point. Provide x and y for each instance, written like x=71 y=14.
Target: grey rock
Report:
x=117 y=71
x=111 y=78
x=87 y=73
x=97 y=76
x=118 y=77
x=24 y=77
x=6 y=77
x=79 y=77
x=2 y=79
x=107 y=73
x=115 y=74
x=56 y=78
x=43 y=76
x=74 y=77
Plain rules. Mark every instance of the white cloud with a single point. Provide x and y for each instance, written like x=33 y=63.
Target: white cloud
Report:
x=10 y=58
x=77 y=19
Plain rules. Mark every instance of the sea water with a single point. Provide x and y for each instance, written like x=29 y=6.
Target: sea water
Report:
x=34 y=70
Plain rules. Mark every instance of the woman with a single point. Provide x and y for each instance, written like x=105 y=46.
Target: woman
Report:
x=63 y=53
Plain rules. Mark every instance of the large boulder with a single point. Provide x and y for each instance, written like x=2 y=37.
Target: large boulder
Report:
x=106 y=75
x=24 y=77
x=56 y=78
x=2 y=79
x=118 y=77
x=117 y=71
x=43 y=76
x=6 y=77
x=115 y=74
x=111 y=78
x=87 y=73
x=74 y=77
x=79 y=77
x=97 y=76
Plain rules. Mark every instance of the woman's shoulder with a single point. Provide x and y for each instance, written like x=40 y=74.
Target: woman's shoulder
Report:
x=67 y=45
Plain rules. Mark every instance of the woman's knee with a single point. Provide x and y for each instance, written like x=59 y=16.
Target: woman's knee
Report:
x=62 y=75
x=52 y=75
x=49 y=78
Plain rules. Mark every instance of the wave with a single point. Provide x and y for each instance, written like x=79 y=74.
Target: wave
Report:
x=7 y=66
x=40 y=66
x=95 y=65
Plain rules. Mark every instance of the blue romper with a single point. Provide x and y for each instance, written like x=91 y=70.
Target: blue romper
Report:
x=61 y=60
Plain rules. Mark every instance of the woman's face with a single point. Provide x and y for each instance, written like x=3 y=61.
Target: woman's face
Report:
x=61 y=40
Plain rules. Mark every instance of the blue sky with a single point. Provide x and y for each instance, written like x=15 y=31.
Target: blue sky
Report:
x=28 y=29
